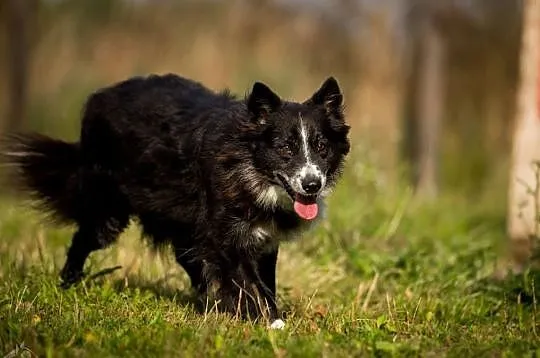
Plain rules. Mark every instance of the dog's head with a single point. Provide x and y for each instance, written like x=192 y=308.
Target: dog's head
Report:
x=300 y=148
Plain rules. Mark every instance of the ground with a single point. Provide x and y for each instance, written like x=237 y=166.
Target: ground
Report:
x=384 y=275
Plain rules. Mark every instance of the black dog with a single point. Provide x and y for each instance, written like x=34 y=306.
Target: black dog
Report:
x=222 y=180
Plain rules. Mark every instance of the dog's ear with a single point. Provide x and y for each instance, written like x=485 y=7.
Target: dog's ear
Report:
x=329 y=95
x=262 y=100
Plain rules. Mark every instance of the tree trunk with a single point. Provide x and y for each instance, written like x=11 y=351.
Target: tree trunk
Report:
x=430 y=99
x=18 y=16
x=380 y=91
x=425 y=101
x=523 y=199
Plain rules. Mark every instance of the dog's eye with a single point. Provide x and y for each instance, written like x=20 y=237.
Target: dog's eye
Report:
x=322 y=149
x=285 y=151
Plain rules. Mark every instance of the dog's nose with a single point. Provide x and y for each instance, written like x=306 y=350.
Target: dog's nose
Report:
x=311 y=184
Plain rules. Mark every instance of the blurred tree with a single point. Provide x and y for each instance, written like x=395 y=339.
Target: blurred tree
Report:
x=18 y=19
x=430 y=102
x=426 y=95
x=378 y=78
x=524 y=190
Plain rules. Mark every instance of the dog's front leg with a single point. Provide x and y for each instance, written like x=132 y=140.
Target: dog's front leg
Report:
x=266 y=268
x=243 y=291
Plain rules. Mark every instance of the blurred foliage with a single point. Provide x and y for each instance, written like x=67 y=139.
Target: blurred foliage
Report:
x=78 y=46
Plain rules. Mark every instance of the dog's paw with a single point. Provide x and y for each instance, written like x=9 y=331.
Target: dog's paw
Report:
x=277 y=324
x=69 y=279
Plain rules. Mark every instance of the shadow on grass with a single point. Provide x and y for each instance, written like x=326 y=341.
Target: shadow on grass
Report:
x=162 y=290
x=522 y=288
x=158 y=288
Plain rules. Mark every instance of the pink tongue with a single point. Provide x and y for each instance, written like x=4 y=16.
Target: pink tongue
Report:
x=306 y=211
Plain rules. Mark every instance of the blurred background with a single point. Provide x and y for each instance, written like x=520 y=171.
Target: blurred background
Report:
x=430 y=86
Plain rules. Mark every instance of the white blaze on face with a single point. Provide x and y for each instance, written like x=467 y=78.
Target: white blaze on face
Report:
x=307 y=209
x=305 y=140
x=308 y=168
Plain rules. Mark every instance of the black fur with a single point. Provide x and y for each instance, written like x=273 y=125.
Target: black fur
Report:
x=201 y=171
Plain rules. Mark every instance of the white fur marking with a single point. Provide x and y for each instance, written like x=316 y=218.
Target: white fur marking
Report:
x=22 y=154
x=277 y=324
x=305 y=142
x=261 y=233
x=309 y=167
x=267 y=197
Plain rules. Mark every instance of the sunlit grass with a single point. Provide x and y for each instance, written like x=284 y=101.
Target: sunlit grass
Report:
x=383 y=275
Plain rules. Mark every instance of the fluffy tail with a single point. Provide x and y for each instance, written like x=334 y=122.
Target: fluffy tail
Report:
x=46 y=169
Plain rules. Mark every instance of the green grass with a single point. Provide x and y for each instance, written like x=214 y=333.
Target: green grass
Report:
x=382 y=276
